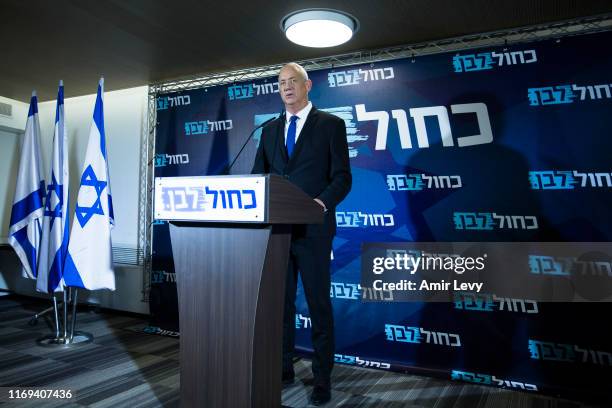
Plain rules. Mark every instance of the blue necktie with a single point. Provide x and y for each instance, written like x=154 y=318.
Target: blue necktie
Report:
x=291 y=135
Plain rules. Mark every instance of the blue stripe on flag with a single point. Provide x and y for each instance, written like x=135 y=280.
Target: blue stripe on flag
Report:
x=21 y=237
x=71 y=274
x=56 y=272
x=98 y=117
x=60 y=101
x=111 y=213
x=28 y=205
x=33 y=106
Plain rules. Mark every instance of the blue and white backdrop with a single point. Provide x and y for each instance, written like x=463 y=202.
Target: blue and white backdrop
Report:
x=440 y=148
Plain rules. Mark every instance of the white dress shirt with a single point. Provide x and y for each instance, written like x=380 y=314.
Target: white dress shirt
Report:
x=299 y=124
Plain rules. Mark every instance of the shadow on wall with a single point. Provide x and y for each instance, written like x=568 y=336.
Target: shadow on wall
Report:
x=127 y=297
x=9 y=164
x=10 y=273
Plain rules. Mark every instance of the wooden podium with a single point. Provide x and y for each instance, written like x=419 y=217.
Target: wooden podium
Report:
x=230 y=242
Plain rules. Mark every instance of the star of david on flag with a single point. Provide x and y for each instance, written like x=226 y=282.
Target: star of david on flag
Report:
x=27 y=210
x=55 y=229
x=89 y=263
x=84 y=214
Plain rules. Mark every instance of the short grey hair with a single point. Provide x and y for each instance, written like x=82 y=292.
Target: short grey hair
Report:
x=298 y=68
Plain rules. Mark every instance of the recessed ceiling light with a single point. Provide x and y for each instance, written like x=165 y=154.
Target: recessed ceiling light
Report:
x=319 y=27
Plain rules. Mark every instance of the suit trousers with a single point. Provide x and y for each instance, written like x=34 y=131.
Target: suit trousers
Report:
x=311 y=257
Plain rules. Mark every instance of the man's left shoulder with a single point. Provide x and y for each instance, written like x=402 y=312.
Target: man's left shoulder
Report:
x=325 y=117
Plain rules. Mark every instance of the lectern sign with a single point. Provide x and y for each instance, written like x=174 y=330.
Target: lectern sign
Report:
x=201 y=198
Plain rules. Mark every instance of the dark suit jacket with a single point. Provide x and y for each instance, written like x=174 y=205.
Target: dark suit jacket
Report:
x=319 y=164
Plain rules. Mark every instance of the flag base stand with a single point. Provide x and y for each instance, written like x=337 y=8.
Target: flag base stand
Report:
x=66 y=340
x=78 y=339
x=34 y=319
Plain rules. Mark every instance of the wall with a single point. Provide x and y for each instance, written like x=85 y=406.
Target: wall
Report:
x=19 y=116
x=10 y=130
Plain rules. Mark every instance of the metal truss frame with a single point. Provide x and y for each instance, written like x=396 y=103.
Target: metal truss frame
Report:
x=508 y=37
x=145 y=197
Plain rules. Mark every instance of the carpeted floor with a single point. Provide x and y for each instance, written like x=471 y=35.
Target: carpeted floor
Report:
x=125 y=367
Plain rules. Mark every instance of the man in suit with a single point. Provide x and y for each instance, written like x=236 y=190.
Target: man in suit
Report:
x=309 y=148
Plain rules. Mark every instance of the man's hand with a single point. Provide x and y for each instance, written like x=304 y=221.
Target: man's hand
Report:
x=321 y=204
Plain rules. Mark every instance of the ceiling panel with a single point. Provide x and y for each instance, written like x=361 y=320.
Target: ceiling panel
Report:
x=135 y=42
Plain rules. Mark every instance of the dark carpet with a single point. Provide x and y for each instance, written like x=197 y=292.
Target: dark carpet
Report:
x=125 y=367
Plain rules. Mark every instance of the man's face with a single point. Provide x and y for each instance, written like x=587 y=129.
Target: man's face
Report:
x=293 y=88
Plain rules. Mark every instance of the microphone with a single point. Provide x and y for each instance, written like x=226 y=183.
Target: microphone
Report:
x=227 y=168
x=280 y=117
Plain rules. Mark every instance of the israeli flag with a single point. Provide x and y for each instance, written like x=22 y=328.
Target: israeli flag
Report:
x=27 y=211
x=89 y=262
x=55 y=232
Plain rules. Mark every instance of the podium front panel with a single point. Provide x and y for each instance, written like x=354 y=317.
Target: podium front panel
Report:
x=211 y=198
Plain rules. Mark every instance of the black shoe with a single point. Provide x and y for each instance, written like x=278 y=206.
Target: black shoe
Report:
x=288 y=378
x=321 y=394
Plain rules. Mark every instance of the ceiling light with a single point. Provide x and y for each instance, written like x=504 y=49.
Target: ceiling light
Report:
x=319 y=27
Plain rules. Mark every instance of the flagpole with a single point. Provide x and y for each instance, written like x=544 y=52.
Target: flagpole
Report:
x=88 y=263
x=25 y=229
x=56 y=315
x=74 y=306
x=29 y=194
x=65 y=313
x=56 y=236
x=70 y=338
